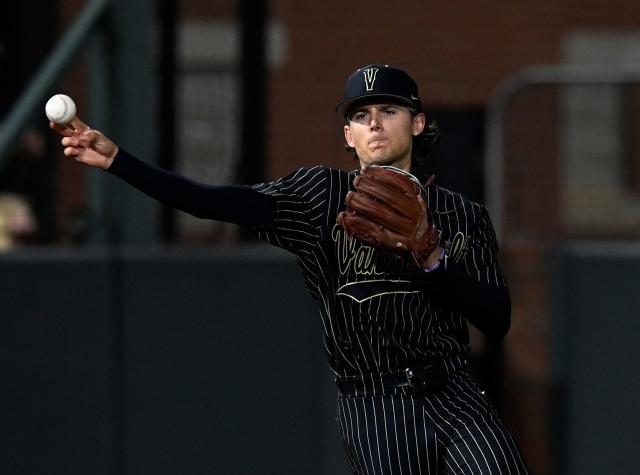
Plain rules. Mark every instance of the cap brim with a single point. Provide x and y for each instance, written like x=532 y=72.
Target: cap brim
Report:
x=343 y=107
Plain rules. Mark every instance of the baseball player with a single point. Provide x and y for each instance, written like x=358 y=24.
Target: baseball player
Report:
x=397 y=265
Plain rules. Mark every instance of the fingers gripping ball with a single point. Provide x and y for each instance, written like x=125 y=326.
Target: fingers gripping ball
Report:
x=387 y=210
x=60 y=109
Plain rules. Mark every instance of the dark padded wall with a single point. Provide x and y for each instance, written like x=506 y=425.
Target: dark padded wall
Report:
x=55 y=355
x=595 y=356
x=224 y=361
x=163 y=362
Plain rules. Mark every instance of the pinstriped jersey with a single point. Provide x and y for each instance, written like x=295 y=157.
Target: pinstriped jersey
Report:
x=380 y=312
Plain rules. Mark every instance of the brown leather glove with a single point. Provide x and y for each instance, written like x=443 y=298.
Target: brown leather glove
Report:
x=387 y=210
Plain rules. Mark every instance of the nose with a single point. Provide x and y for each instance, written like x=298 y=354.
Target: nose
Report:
x=376 y=122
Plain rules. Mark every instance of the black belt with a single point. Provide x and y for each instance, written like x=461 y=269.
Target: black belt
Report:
x=429 y=377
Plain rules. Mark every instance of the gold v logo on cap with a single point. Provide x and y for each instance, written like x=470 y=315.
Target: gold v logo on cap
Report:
x=369 y=78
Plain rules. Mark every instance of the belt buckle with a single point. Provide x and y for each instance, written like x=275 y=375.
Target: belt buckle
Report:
x=411 y=377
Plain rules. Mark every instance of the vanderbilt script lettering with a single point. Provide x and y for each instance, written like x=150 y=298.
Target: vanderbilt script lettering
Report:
x=361 y=259
x=352 y=253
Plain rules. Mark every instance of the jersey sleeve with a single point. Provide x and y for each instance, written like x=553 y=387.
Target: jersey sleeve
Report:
x=301 y=203
x=480 y=262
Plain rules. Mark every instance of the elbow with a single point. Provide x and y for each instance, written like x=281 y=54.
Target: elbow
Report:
x=502 y=317
x=494 y=320
x=495 y=327
x=197 y=212
x=503 y=323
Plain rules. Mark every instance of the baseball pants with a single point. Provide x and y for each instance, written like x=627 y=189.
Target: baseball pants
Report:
x=454 y=430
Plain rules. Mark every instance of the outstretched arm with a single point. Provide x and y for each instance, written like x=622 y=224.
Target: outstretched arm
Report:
x=234 y=204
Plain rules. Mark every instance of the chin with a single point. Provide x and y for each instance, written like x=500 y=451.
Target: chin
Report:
x=384 y=161
x=381 y=160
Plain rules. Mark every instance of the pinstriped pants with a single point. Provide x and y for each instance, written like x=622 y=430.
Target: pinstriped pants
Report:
x=452 y=431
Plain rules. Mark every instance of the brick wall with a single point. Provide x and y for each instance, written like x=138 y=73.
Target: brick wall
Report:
x=459 y=54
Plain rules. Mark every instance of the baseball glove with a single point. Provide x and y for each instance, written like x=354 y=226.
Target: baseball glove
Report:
x=387 y=210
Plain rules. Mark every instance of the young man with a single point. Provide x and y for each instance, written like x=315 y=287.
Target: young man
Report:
x=395 y=326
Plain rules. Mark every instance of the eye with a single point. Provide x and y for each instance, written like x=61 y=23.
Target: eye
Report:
x=359 y=117
x=390 y=110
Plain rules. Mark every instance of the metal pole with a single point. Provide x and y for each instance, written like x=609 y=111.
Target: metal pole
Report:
x=168 y=19
x=253 y=14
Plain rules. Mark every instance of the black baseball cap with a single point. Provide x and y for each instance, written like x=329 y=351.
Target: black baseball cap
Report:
x=380 y=80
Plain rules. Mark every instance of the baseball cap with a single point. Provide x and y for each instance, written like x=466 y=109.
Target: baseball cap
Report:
x=379 y=80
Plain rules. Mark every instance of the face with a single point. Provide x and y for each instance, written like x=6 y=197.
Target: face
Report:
x=382 y=134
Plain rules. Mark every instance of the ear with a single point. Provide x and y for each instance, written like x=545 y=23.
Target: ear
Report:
x=348 y=137
x=419 y=122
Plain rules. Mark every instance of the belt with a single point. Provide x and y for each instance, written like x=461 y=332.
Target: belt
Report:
x=427 y=377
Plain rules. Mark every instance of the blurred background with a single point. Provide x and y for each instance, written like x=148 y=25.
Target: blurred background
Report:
x=127 y=342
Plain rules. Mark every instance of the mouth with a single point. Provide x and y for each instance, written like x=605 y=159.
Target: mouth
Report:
x=377 y=142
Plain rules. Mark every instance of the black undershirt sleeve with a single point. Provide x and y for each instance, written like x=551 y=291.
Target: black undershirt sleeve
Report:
x=230 y=203
x=487 y=307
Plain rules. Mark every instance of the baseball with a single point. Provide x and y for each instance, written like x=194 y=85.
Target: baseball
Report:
x=60 y=109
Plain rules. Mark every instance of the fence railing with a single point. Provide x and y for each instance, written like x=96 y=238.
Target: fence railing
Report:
x=561 y=75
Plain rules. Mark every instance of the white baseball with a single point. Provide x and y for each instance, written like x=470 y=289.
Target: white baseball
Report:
x=60 y=109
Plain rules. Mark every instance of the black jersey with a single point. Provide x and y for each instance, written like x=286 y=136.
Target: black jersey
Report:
x=380 y=313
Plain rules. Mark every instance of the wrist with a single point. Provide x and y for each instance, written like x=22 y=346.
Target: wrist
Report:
x=435 y=260
x=110 y=159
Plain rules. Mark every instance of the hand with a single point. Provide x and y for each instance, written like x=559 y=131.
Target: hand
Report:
x=85 y=144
